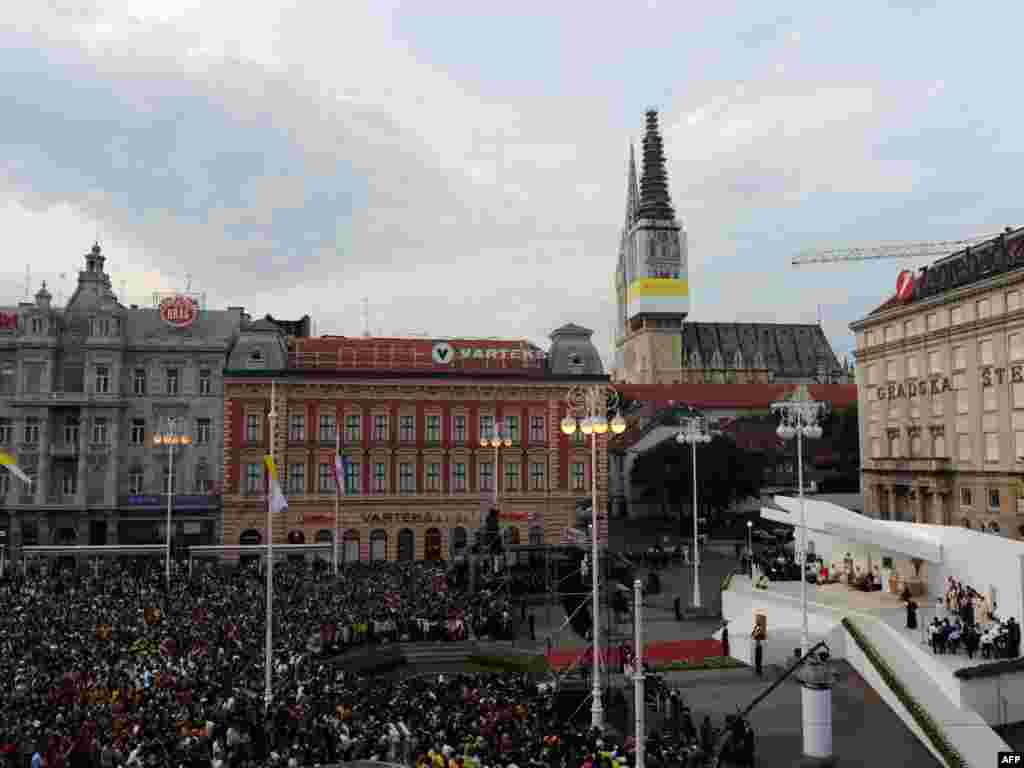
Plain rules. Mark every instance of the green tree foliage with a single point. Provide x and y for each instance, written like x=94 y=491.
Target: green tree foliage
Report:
x=725 y=473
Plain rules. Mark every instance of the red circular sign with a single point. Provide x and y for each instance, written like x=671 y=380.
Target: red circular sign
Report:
x=179 y=311
x=905 y=285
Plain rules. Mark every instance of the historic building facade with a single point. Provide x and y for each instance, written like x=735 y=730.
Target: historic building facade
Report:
x=409 y=416
x=940 y=369
x=83 y=390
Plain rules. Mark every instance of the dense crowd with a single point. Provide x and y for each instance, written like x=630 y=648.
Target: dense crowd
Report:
x=123 y=671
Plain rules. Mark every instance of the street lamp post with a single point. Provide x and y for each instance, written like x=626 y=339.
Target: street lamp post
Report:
x=750 y=546
x=694 y=433
x=499 y=437
x=170 y=438
x=800 y=414
x=587 y=409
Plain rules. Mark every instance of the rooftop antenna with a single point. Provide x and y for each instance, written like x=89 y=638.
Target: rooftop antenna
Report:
x=366 y=317
x=819 y=315
x=28 y=282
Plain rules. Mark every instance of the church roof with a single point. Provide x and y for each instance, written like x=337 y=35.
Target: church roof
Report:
x=655 y=201
x=789 y=350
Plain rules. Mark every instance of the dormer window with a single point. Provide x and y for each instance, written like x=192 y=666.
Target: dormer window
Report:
x=101 y=326
x=37 y=325
x=256 y=359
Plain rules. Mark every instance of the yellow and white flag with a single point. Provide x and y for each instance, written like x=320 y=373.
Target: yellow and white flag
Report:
x=6 y=460
x=278 y=503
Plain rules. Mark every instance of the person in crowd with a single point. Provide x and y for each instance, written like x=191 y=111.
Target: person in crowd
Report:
x=911 y=612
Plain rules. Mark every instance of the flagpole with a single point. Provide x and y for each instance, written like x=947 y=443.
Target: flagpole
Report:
x=269 y=650
x=337 y=495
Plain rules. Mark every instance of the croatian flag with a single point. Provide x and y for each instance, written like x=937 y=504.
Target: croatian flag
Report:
x=341 y=464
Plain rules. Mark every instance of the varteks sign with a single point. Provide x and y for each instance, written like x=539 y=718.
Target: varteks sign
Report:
x=446 y=353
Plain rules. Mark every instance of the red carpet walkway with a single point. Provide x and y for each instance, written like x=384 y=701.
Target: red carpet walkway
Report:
x=692 y=651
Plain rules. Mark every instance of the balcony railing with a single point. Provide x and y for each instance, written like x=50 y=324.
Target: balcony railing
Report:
x=68 y=398
x=909 y=464
x=63 y=449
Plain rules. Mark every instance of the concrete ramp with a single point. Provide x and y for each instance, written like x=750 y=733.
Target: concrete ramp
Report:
x=957 y=731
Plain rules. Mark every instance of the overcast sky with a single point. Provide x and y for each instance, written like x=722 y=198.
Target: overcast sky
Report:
x=464 y=169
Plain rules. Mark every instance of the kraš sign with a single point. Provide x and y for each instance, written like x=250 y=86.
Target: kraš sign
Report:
x=969 y=266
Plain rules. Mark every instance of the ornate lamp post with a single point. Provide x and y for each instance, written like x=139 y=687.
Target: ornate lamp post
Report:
x=750 y=546
x=587 y=409
x=170 y=438
x=694 y=433
x=800 y=414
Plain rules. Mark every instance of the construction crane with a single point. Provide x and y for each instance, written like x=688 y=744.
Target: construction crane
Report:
x=924 y=250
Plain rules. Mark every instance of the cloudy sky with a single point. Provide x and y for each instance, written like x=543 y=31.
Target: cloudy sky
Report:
x=464 y=169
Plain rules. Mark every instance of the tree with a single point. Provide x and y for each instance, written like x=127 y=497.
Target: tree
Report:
x=726 y=474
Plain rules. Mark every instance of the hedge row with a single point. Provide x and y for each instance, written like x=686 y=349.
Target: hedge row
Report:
x=710 y=662
x=727 y=581
x=521 y=664
x=924 y=721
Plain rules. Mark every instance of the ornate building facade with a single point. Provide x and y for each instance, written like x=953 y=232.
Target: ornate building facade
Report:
x=410 y=416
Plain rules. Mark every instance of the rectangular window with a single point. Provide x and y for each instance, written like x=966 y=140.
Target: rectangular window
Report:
x=956 y=316
x=353 y=428
x=1012 y=301
x=459 y=477
x=135 y=482
x=205 y=382
x=6 y=431
x=966 y=497
x=578 y=437
x=938 y=405
x=201 y=482
x=253 y=479
x=1018 y=395
x=935 y=361
x=512 y=429
x=99 y=431
x=892 y=370
x=297 y=428
x=139 y=381
x=380 y=427
x=963 y=447
x=486 y=426
x=536 y=476
x=352 y=481
x=69 y=483
x=459 y=429
x=204 y=431
x=172 y=381
x=876 y=448
x=486 y=476
x=379 y=477
x=433 y=428
x=434 y=476
x=138 y=433
x=407 y=428
x=983 y=308
x=102 y=380
x=933 y=321
x=407 y=477
x=872 y=375
x=325 y=478
x=993 y=499
x=296 y=478
x=579 y=478
x=962 y=401
x=32 y=430
x=987 y=352
x=512 y=476
x=328 y=427
x=992 y=446
x=959 y=358
x=990 y=398
x=908 y=328
x=252 y=429
x=5 y=484
x=1018 y=444
x=537 y=430
x=912 y=372
x=71 y=425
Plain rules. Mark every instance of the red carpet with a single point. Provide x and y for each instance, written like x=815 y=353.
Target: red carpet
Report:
x=658 y=653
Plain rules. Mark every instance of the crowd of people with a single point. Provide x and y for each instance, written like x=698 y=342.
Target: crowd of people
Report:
x=971 y=623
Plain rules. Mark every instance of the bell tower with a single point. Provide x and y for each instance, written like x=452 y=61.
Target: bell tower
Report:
x=651 y=279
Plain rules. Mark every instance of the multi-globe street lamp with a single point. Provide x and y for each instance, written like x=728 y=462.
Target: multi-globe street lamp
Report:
x=170 y=438
x=800 y=415
x=587 y=409
x=694 y=433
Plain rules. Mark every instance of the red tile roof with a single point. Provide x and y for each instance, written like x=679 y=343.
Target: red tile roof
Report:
x=741 y=396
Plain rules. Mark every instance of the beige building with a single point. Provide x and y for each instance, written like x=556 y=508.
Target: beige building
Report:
x=940 y=374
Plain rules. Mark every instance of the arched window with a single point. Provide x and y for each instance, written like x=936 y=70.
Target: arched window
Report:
x=378 y=545
x=536 y=536
x=406 y=545
x=459 y=540
x=993 y=527
x=965 y=523
x=295 y=536
x=432 y=544
x=350 y=546
x=250 y=537
x=324 y=536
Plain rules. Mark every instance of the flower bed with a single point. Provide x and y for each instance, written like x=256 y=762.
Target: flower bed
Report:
x=657 y=653
x=710 y=662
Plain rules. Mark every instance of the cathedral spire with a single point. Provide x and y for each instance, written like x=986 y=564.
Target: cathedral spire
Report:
x=633 y=192
x=655 y=202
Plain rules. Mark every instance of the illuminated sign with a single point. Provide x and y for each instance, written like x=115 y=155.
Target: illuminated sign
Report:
x=909 y=389
x=444 y=353
x=179 y=311
x=968 y=266
x=424 y=516
x=8 y=321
